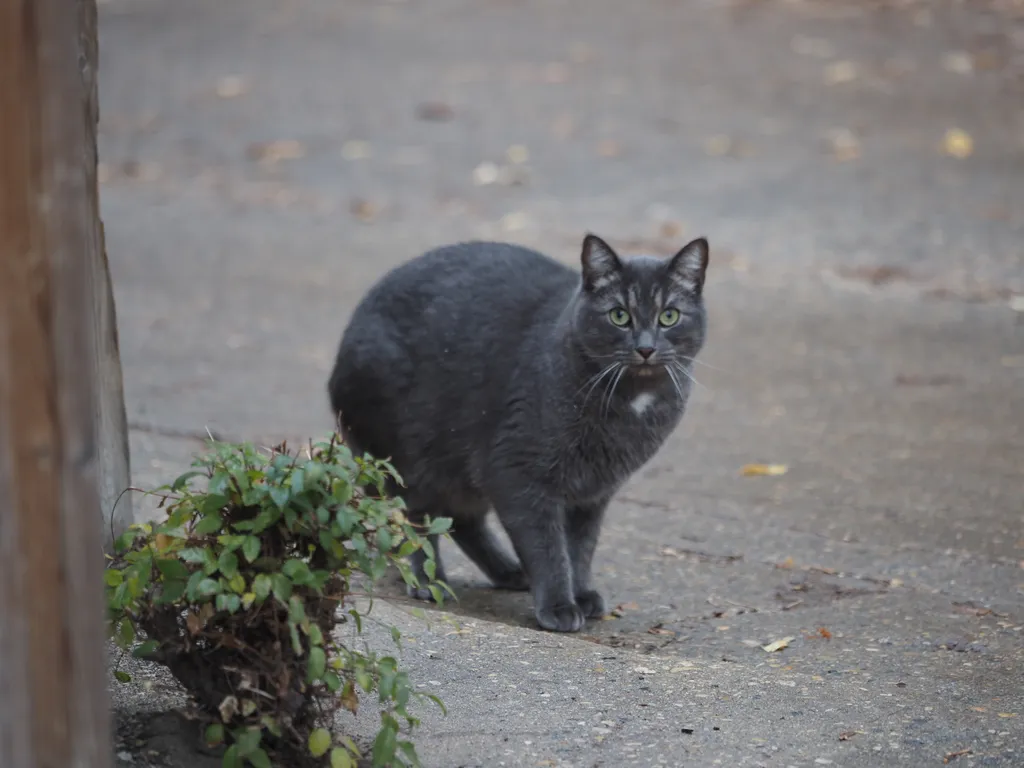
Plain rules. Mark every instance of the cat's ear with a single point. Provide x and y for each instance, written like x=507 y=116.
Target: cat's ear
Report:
x=689 y=266
x=600 y=264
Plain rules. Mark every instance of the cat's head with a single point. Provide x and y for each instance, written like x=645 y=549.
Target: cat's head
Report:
x=643 y=312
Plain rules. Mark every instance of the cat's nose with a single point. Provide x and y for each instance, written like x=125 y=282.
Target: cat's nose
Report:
x=645 y=352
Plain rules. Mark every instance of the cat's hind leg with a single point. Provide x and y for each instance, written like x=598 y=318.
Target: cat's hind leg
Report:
x=481 y=545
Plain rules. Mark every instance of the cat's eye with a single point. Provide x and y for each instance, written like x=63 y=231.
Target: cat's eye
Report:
x=619 y=317
x=668 y=317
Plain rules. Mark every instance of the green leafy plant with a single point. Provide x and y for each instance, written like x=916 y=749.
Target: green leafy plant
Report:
x=241 y=589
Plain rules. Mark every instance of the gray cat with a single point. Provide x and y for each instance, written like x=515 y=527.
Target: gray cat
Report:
x=493 y=376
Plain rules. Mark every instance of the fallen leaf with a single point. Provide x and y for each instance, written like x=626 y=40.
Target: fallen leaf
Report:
x=435 y=112
x=349 y=698
x=839 y=72
x=1007 y=714
x=960 y=62
x=658 y=629
x=517 y=154
x=515 y=221
x=843 y=144
x=230 y=87
x=356 y=150
x=980 y=709
x=824 y=633
x=485 y=174
x=786 y=564
x=954 y=755
x=718 y=146
x=364 y=210
x=670 y=230
x=760 y=470
x=778 y=645
x=609 y=148
x=193 y=623
x=847 y=735
x=957 y=143
x=272 y=152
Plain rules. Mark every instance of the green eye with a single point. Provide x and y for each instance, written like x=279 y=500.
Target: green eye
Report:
x=668 y=317
x=619 y=317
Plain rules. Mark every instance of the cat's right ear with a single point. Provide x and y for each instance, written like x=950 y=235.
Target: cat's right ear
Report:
x=601 y=266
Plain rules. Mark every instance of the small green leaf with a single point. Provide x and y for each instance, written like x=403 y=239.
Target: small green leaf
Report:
x=214 y=735
x=282 y=587
x=261 y=585
x=172 y=569
x=259 y=759
x=296 y=609
x=320 y=742
x=317 y=664
x=143 y=650
x=228 y=564
x=182 y=480
x=208 y=587
x=192 y=555
x=340 y=758
x=251 y=548
x=209 y=524
x=113 y=577
x=248 y=741
x=229 y=603
x=439 y=525
x=231 y=758
x=172 y=591
x=384 y=745
x=332 y=681
x=122 y=677
x=125 y=633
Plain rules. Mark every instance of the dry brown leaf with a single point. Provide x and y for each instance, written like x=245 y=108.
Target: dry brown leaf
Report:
x=954 y=755
x=364 y=210
x=764 y=470
x=847 y=735
x=349 y=699
x=435 y=112
x=230 y=87
x=272 y=152
x=839 y=72
x=778 y=645
x=786 y=564
x=957 y=143
x=609 y=148
x=824 y=633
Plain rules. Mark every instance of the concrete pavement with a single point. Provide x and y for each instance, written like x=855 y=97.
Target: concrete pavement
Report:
x=264 y=162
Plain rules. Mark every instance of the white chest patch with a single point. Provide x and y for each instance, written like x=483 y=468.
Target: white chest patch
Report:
x=642 y=402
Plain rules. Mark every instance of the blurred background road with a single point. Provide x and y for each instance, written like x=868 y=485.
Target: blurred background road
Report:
x=859 y=170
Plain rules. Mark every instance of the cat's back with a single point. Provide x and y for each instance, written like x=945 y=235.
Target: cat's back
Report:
x=460 y=280
x=443 y=332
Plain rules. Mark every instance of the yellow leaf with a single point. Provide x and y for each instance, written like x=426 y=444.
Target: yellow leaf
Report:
x=759 y=470
x=958 y=143
x=163 y=541
x=319 y=742
x=778 y=645
x=1007 y=714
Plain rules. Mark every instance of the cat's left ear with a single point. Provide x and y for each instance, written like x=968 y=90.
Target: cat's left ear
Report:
x=601 y=267
x=689 y=266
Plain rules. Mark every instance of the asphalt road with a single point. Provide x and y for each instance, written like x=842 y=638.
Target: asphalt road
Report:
x=860 y=175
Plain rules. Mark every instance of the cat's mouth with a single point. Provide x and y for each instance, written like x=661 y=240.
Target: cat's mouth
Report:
x=646 y=369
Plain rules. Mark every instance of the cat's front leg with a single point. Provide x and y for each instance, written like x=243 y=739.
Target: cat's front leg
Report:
x=583 y=527
x=536 y=525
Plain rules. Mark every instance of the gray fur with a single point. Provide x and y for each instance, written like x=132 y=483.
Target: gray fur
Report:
x=493 y=377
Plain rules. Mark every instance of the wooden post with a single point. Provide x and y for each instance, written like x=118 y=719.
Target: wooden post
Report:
x=53 y=688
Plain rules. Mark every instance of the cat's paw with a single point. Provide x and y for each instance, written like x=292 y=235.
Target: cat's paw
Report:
x=513 y=580
x=419 y=593
x=592 y=604
x=561 y=618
